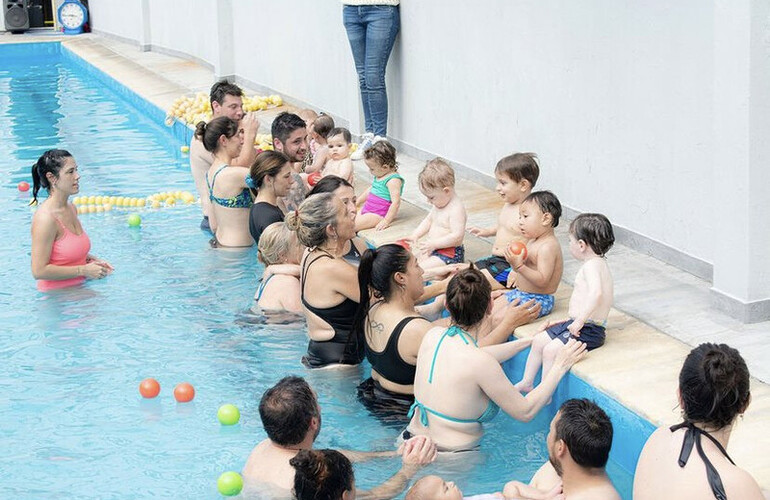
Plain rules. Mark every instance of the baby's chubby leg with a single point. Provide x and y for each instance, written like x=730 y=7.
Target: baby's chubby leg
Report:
x=550 y=351
x=367 y=221
x=427 y=261
x=534 y=360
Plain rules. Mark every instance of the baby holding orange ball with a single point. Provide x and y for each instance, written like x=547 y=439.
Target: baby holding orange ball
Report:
x=590 y=238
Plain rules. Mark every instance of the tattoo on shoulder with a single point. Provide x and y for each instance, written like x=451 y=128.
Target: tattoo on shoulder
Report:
x=377 y=327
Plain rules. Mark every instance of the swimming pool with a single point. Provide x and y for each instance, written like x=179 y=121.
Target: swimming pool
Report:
x=71 y=418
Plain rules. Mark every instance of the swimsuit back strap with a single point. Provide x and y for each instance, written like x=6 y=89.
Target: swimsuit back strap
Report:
x=692 y=437
x=424 y=410
x=449 y=332
x=305 y=270
x=262 y=286
x=213 y=179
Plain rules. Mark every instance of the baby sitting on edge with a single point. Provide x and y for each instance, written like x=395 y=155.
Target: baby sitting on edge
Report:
x=435 y=488
x=535 y=272
x=444 y=227
x=590 y=238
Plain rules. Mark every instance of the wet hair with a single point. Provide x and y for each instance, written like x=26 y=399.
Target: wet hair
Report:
x=328 y=184
x=223 y=88
x=209 y=133
x=275 y=244
x=548 y=203
x=323 y=125
x=286 y=410
x=595 y=230
x=52 y=161
x=345 y=133
x=383 y=153
x=467 y=297
x=312 y=217
x=375 y=277
x=321 y=475
x=437 y=174
x=714 y=385
x=285 y=124
x=586 y=430
x=520 y=166
x=267 y=163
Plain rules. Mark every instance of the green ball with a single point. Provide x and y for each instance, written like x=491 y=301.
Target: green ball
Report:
x=230 y=483
x=228 y=414
x=134 y=220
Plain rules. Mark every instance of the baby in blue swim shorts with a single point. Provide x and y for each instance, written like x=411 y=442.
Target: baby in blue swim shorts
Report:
x=590 y=238
x=536 y=272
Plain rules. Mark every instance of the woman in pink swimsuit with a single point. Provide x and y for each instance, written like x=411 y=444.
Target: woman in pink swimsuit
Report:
x=60 y=246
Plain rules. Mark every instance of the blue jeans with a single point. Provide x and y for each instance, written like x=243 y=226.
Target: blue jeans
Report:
x=372 y=31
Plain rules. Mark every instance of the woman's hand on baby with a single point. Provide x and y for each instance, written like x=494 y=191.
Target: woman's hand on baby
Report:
x=573 y=352
x=520 y=314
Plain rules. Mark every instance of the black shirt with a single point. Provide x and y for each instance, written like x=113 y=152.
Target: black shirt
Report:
x=261 y=215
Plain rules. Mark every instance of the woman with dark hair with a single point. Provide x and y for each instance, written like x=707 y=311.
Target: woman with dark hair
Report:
x=390 y=282
x=459 y=385
x=328 y=284
x=713 y=393
x=271 y=177
x=228 y=191
x=328 y=474
x=60 y=245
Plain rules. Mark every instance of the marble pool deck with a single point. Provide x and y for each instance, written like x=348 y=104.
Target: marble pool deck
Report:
x=660 y=311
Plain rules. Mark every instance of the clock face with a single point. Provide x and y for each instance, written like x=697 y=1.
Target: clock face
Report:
x=71 y=15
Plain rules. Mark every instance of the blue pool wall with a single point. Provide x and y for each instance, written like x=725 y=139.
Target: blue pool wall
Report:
x=630 y=430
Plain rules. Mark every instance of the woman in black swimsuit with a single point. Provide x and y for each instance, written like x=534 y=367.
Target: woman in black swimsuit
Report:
x=343 y=190
x=328 y=284
x=713 y=392
x=391 y=281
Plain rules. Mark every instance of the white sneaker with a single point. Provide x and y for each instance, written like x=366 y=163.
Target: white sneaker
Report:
x=366 y=141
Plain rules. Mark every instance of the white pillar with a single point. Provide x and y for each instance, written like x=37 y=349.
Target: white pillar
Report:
x=224 y=66
x=145 y=36
x=741 y=173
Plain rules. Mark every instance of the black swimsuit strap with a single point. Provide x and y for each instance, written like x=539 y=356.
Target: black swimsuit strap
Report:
x=692 y=437
x=305 y=269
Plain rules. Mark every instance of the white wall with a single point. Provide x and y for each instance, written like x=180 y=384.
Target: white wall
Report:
x=636 y=109
x=117 y=17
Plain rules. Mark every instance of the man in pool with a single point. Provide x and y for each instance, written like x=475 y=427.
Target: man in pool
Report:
x=290 y=137
x=226 y=100
x=578 y=442
x=291 y=418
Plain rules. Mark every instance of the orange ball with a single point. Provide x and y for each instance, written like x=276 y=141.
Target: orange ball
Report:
x=517 y=248
x=149 y=388
x=23 y=186
x=184 y=392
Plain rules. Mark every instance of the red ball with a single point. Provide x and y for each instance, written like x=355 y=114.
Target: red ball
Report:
x=517 y=248
x=184 y=392
x=149 y=388
x=24 y=186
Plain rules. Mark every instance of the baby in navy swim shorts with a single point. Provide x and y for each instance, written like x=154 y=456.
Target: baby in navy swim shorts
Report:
x=590 y=238
x=445 y=223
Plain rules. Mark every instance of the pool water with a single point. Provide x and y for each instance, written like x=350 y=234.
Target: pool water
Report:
x=72 y=421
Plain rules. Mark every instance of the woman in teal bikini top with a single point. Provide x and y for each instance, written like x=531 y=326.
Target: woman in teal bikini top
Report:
x=492 y=409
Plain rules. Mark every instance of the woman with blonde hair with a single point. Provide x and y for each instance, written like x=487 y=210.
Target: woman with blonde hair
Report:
x=279 y=292
x=328 y=284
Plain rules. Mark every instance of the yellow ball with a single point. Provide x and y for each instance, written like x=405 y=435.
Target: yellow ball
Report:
x=170 y=201
x=155 y=204
x=132 y=202
x=185 y=149
x=81 y=209
x=99 y=209
x=119 y=201
x=107 y=207
x=141 y=202
x=91 y=209
x=76 y=200
x=91 y=200
x=112 y=199
x=98 y=200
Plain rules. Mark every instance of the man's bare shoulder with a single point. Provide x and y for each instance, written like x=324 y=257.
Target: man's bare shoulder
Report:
x=604 y=491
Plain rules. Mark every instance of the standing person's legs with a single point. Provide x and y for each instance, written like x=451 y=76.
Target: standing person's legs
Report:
x=355 y=27
x=382 y=25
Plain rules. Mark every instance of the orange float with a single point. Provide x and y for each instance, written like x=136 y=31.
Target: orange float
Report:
x=184 y=392
x=149 y=388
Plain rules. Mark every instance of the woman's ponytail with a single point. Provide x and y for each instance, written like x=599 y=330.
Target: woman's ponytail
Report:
x=364 y=280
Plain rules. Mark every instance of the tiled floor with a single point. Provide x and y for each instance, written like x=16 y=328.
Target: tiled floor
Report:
x=661 y=311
